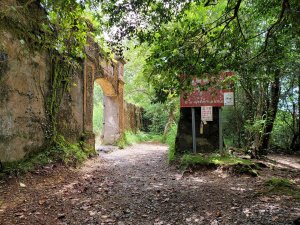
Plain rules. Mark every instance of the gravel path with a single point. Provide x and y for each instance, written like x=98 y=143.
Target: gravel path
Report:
x=137 y=186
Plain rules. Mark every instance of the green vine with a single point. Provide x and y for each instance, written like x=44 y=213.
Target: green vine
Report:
x=61 y=69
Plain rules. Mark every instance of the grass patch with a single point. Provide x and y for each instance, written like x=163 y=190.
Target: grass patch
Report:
x=62 y=151
x=229 y=163
x=189 y=160
x=282 y=186
x=131 y=138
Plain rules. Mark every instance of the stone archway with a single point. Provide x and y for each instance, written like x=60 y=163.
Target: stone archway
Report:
x=109 y=75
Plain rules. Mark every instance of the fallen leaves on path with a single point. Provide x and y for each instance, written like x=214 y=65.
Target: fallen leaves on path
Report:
x=136 y=186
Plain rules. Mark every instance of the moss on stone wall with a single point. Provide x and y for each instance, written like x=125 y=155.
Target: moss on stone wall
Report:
x=3 y=93
x=60 y=77
x=3 y=62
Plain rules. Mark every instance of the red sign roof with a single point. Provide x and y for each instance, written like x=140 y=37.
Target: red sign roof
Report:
x=204 y=98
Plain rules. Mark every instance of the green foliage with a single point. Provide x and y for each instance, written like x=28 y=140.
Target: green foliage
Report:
x=61 y=71
x=131 y=138
x=282 y=186
x=62 y=151
x=233 y=126
x=231 y=163
x=25 y=165
x=276 y=182
x=244 y=169
x=98 y=112
x=70 y=153
x=283 y=130
x=140 y=92
x=158 y=117
x=256 y=126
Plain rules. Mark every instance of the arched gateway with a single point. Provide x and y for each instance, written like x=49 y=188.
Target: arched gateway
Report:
x=109 y=75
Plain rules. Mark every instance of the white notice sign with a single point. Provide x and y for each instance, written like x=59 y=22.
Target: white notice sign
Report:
x=228 y=98
x=206 y=113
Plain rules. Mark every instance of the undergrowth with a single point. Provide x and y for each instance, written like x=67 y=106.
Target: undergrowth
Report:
x=61 y=151
x=131 y=138
x=282 y=186
x=169 y=139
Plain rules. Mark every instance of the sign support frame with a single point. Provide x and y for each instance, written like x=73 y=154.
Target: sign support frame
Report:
x=220 y=131
x=194 y=130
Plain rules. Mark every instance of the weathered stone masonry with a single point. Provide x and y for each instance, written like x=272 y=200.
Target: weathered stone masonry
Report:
x=23 y=84
x=23 y=88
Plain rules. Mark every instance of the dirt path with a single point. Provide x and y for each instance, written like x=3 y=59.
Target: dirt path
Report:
x=136 y=186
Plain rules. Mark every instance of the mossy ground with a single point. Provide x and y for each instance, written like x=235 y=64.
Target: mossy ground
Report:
x=282 y=186
x=214 y=159
x=231 y=163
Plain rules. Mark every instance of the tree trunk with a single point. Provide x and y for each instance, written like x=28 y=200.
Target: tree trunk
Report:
x=260 y=111
x=271 y=114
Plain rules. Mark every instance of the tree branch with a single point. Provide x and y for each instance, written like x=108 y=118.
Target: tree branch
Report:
x=270 y=31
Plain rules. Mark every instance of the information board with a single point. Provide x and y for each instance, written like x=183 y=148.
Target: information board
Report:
x=210 y=97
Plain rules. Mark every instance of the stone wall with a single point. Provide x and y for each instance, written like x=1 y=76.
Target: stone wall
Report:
x=206 y=142
x=133 y=117
x=110 y=78
x=70 y=115
x=24 y=82
x=23 y=86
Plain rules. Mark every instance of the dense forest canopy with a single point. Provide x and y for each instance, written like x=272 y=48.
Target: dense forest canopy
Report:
x=258 y=40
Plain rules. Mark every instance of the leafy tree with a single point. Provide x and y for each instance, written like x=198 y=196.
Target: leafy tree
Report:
x=256 y=39
x=139 y=91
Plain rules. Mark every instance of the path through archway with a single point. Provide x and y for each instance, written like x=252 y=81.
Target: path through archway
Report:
x=109 y=131
x=98 y=114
